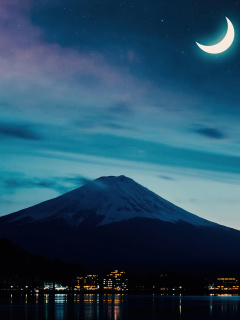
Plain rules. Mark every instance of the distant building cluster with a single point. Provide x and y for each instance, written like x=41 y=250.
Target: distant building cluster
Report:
x=114 y=281
x=117 y=282
x=224 y=285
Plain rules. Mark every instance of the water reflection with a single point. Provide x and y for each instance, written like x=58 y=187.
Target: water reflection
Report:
x=97 y=307
x=118 y=307
x=211 y=305
x=60 y=306
x=180 y=305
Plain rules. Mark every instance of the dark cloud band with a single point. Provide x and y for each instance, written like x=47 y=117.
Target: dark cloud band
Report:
x=211 y=133
x=19 y=131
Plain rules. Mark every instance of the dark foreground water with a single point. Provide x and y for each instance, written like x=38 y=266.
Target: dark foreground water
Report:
x=118 y=307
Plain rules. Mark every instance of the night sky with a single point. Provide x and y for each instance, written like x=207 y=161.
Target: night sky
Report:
x=103 y=87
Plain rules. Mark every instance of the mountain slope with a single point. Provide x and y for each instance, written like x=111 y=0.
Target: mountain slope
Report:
x=18 y=264
x=113 y=222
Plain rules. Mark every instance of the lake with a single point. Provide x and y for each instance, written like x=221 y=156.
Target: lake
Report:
x=118 y=307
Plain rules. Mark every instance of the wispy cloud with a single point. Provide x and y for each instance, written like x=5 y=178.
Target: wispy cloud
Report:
x=168 y=178
x=12 y=181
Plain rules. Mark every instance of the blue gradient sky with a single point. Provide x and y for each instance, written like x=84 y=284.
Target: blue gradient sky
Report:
x=93 y=88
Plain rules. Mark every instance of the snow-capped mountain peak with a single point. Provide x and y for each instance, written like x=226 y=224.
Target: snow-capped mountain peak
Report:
x=108 y=200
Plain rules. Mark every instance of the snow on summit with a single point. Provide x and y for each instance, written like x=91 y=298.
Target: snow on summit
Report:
x=108 y=200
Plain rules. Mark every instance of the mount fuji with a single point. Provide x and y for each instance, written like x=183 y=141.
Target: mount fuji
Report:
x=114 y=222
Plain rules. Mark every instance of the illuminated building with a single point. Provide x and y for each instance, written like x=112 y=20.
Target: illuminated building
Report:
x=90 y=282
x=54 y=286
x=48 y=286
x=115 y=281
x=224 y=284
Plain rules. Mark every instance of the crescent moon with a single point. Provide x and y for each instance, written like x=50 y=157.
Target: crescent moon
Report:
x=222 y=45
